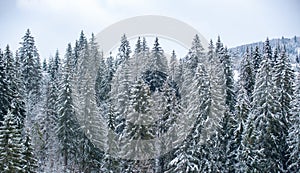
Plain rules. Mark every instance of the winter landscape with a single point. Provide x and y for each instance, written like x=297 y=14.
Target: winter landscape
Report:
x=59 y=115
x=147 y=106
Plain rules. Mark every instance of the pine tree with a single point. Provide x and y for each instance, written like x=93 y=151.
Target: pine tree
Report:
x=31 y=75
x=284 y=77
x=30 y=64
x=30 y=163
x=4 y=89
x=102 y=86
x=121 y=85
x=256 y=58
x=10 y=145
x=92 y=124
x=137 y=61
x=247 y=74
x=45 y=65
x=158 y=62
x=145 y=52
x=138 y=128
x=188 y=155
x=216 y=81
x=216 y=109
x=293 y=138
x=50 y=121
x=156 y=69
x=13 y=92
x=167 y=109
x=124 y=51
x=224 y=154
x=68 y=127
x=173 y=66
x=230 y=97
x=196 y=54
x=243 y=108
x=262 y=138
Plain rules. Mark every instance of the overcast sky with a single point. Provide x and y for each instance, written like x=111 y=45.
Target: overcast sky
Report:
x=54 y=23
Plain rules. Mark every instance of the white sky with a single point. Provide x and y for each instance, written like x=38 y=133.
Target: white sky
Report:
x=55 y=23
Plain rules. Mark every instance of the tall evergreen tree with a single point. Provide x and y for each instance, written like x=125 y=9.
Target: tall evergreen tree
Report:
x=247 y=74
x=158 y=61
x=138 y=60
x=156 y=69
x=68 y=127
x=196 y=54
x=124 y=51
x=230 y=97
x=28 y=156
x=4 y=89
x=48 y=122
x=188 y=155
x=138 y=128
x=243 y=108
x=92 y=123
x=31 y=74
x=10 y=145
x=293 y=139
x=173 y=66
x=14 y=82
x=284 y=78
x=262 y=138
x=256 y=58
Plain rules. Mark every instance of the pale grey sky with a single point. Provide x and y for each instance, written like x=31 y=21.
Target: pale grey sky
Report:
x=54 y=23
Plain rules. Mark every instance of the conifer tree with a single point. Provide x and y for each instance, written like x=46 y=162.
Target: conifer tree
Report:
x=196 y=54
x=247 y=74
x=263 y=135
x=293 y=138
x=13 y=92
x=68 y=127
x=158 y=61
x=28 y=156
x=256 y=58
x=124 y=51
x=4 y=89
x=10 y=145
x=31 y=75
x=243 y=108
x=230 y=96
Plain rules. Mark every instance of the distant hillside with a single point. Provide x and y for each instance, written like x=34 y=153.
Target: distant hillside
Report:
x=292 y=46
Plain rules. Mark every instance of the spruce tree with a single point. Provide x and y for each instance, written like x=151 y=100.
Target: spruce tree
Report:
x=263 y=135
x=50 y=120
x=138 y=129
x=256 y=58
x=243 y=108
x=124 y=51
x=68 y=127
x=293 y=138
x=4 y=89
x=173 y=66
x=137 y=61
x=10 y=145
x=230 y=96
x=247 y=74
x=28 y=156
x=284 y=78
x=216 y=108
x=31 y=75
x=196 y=54
x=158 y=62
x=93 y=126
x=14 y=87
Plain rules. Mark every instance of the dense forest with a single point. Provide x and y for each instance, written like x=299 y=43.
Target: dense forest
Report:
x=83 y=112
